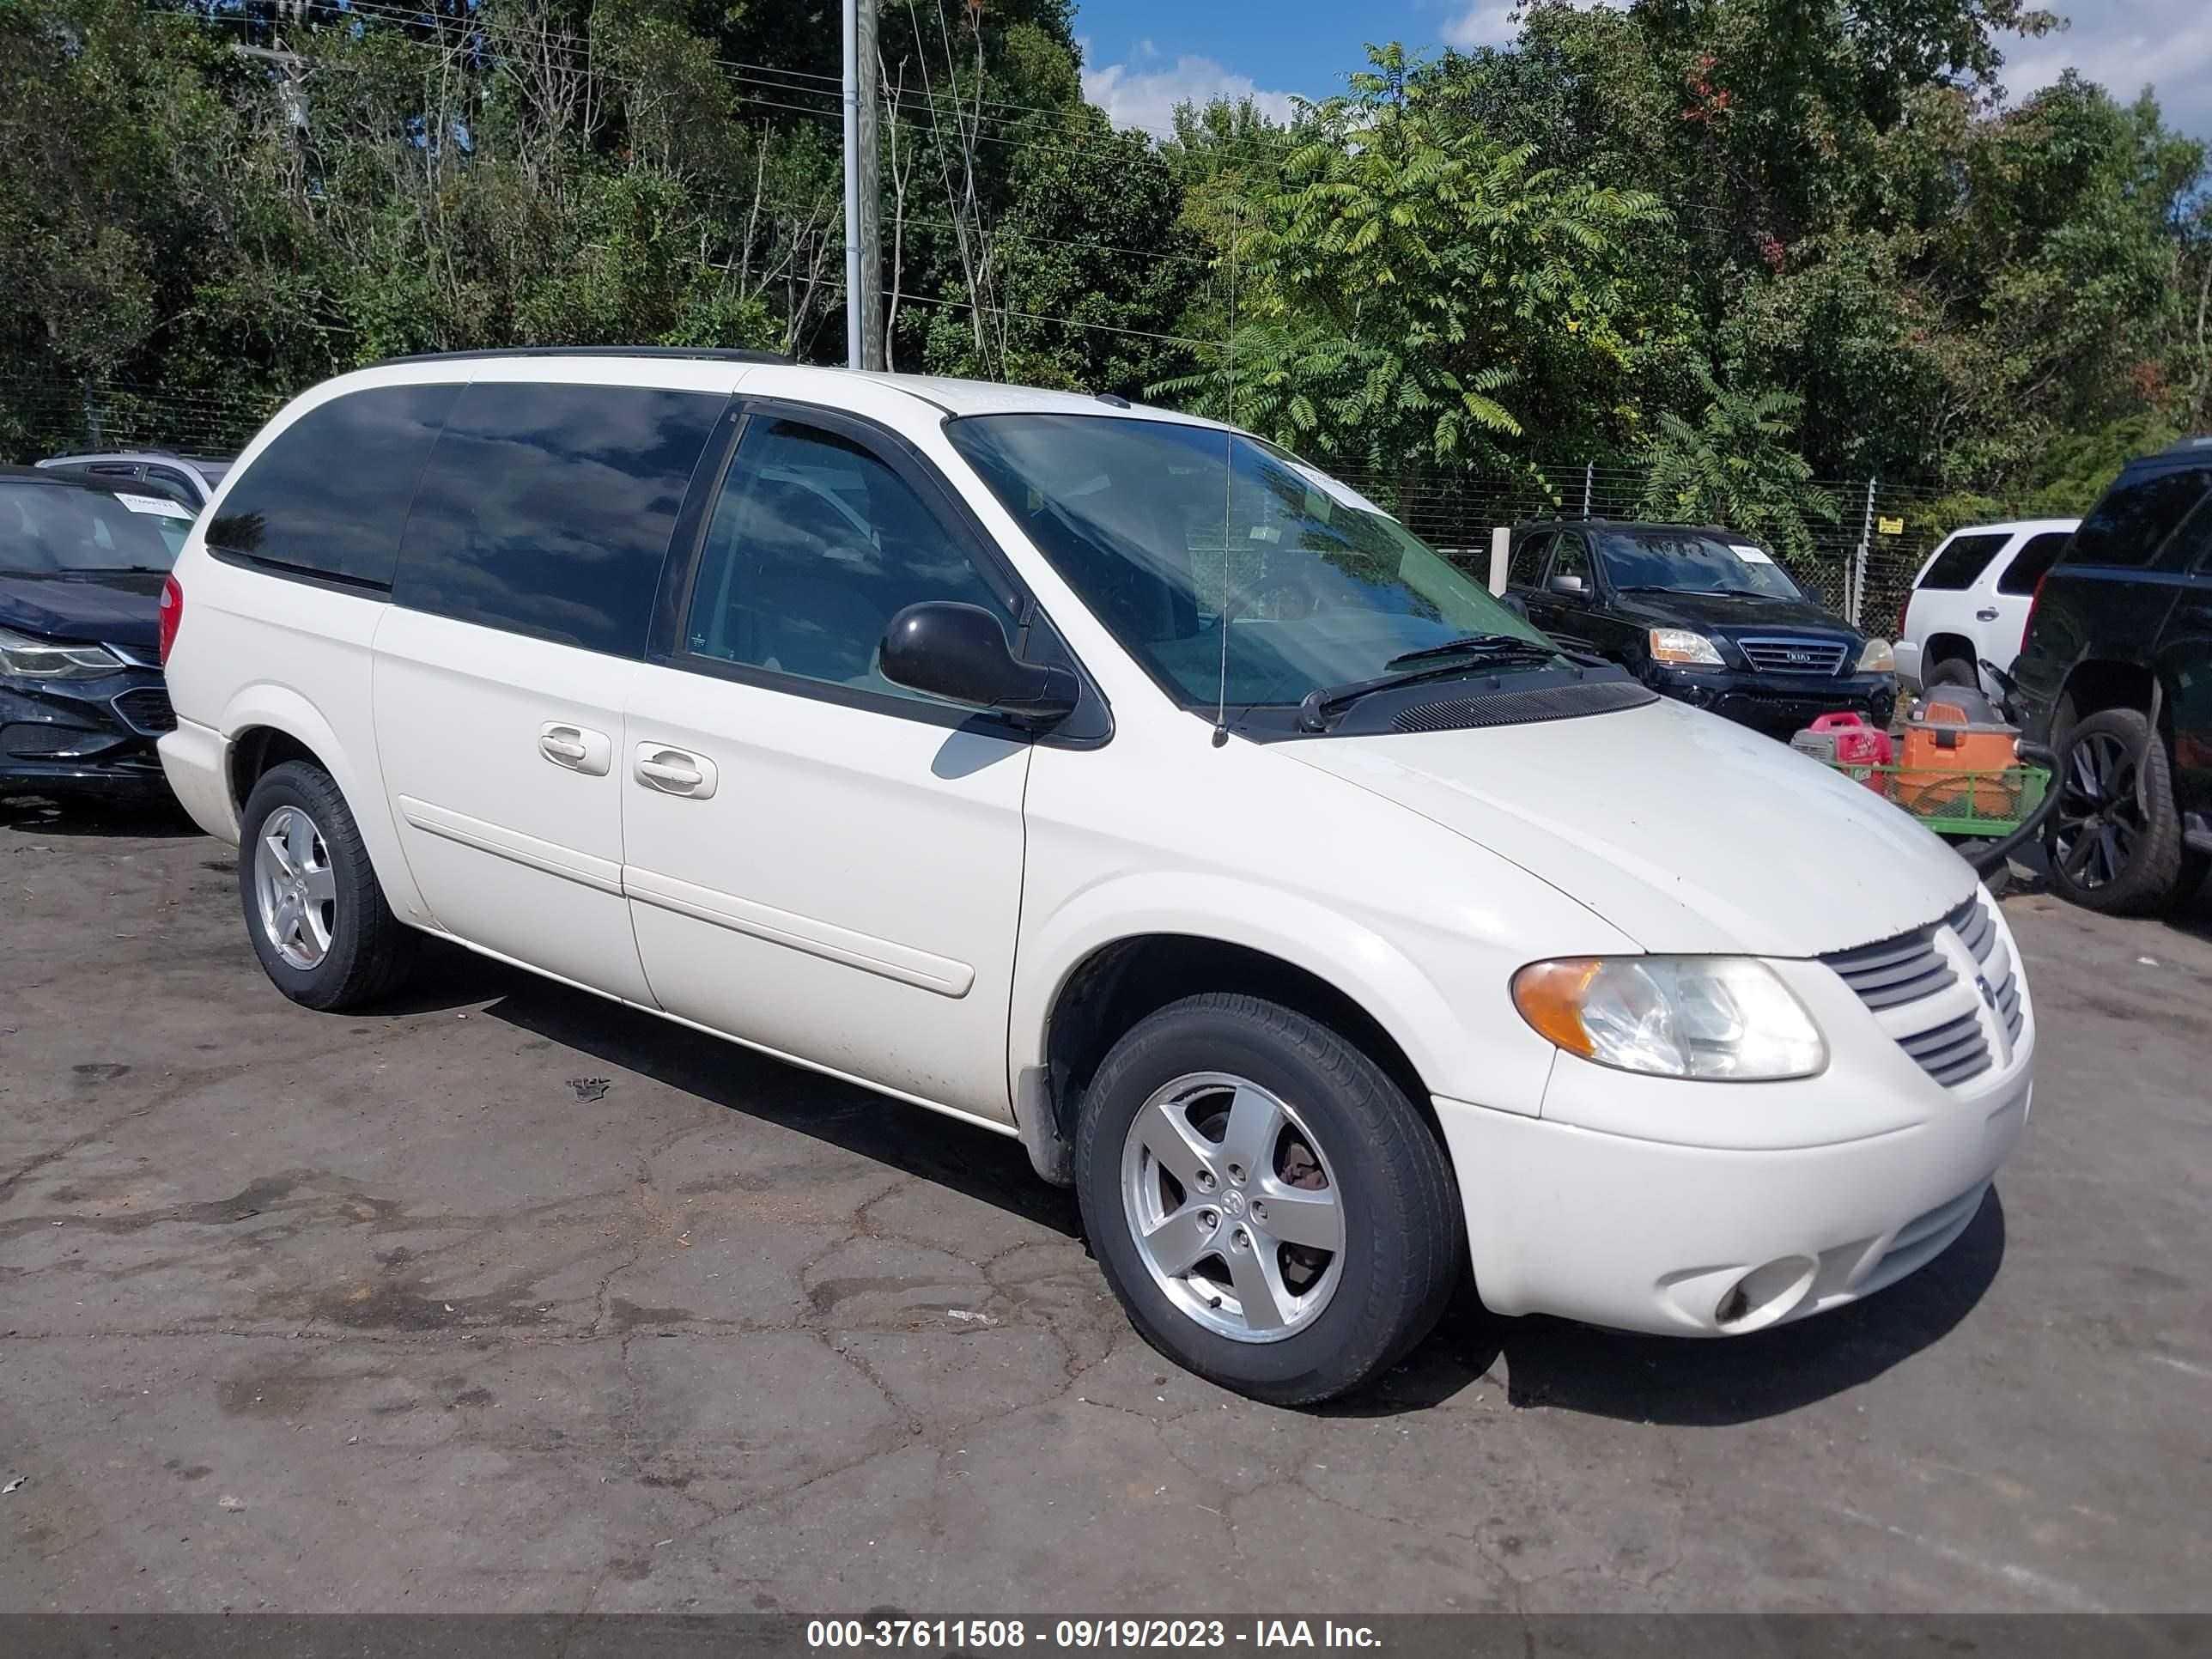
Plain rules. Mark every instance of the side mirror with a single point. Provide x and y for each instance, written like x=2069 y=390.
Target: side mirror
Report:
x=958 y=652
x=1573 y=585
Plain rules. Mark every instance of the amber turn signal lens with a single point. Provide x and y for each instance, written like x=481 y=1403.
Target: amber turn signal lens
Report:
x=1549 y=995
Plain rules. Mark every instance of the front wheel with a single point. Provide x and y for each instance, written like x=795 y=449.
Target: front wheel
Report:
x=1270 y=1208
x=2114 y=838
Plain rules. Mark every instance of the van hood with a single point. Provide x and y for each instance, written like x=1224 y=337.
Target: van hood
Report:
x=1687 y=832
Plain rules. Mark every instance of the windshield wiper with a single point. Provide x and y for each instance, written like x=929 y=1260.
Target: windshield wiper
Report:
x=1495 y=648
x=1318 y=704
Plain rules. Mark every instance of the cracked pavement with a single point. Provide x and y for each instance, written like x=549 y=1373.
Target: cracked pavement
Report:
x=388 y=1312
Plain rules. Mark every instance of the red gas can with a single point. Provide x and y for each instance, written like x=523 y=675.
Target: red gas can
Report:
x=1846 y=740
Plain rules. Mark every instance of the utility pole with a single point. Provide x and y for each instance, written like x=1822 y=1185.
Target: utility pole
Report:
x=864 y=265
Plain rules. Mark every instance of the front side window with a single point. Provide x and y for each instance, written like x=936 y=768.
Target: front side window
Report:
x=2130 y=526
x=329 y=494
x=815 y=545
x=56 y=530
x=1221 y=564
x=1958 y=564
x=547 y=509
x=1572 y=559
x=1691 y=561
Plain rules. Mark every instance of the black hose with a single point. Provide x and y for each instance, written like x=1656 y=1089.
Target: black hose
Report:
x=1988 y=860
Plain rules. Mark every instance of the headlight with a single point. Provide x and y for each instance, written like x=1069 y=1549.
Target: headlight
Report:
x=1698 y=1016
x=1878 y=657
x=43 y=659
x=1683 y=647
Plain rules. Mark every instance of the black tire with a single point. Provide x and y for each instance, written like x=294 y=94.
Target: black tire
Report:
x=370 y=949
x=1953 y=671
x=2114 y=839
x=1401 y=1217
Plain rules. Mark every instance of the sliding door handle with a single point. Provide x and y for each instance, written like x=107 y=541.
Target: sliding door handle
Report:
x=577 y=748
x=675 y=771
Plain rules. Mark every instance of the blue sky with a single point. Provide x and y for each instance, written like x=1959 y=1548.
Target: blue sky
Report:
x=1142 y=56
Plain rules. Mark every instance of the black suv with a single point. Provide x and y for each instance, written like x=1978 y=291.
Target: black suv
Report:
x=1701 y=613
x=2116 y=675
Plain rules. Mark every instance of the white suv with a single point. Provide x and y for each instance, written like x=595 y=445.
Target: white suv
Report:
x=1970 y=601
x=1106 y=778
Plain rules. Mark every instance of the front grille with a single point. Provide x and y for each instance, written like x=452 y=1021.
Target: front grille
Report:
x=1911 y=985
x=1794 y=656
x=1551 y=703
x=146 y=711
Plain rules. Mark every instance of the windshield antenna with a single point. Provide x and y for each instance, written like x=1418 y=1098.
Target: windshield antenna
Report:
x=1228 y=484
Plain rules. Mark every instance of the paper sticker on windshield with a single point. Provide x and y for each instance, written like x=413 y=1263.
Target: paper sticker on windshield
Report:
x=1748 y=553
x=161 y=506
x=1342 y=494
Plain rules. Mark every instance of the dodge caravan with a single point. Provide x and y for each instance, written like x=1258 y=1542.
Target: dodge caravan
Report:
x=1112 y=780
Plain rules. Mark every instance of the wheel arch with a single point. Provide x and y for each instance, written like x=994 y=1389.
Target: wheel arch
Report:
x=2096 y=683
x=1947 y=647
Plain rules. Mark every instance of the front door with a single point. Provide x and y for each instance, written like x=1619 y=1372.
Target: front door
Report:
x=819 y=862
x=1567 y=616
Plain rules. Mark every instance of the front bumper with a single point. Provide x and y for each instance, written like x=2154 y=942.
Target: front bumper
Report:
x=1777 y=703
x=1598 y=1220
x=84 y=737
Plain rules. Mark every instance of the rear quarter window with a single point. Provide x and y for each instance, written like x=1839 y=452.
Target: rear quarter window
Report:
x=547 y=509
x=2130 y=526
x=1962 y=560
x=2029 y=564
x=328 y=495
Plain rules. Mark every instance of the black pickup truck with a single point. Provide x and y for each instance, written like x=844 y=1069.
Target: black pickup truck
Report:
x=1700 y=613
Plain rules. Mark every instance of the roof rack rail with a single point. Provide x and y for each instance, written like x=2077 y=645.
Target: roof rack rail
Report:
x=711 y=354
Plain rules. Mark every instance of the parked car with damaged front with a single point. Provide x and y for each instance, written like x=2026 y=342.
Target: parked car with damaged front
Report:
x=81 y=696
x=1107 y=778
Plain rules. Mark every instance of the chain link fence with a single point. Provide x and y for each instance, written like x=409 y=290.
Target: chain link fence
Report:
x=1860 y=565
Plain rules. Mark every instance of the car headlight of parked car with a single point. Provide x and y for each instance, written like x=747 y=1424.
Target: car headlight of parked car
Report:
x=1692 y=1017
x=1683 y=647
x=44 y=659
x=1878 y=657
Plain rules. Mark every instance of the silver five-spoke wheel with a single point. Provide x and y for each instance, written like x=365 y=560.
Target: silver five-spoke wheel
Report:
x=1234 y=1209
x=294 y=887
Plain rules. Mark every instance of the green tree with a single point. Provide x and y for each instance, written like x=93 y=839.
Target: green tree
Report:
x=1733 y=464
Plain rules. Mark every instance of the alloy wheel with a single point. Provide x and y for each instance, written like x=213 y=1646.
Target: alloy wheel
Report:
x=1233 y=1207
x=295 y=888
x=2099 y=818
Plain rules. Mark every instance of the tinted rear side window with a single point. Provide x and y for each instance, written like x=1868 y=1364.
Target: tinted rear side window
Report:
x=1962 y=561
x=2136 y=517
x=547 y=510
x=1526 y=564
x=2029 y=564
x=328 y=495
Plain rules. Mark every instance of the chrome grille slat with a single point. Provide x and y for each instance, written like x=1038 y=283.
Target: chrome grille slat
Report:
x=1787 y=656
x=1896 y=974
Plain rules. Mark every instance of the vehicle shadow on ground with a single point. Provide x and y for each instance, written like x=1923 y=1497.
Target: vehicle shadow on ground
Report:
x=1545 y=1362
x=972 y=1161
x=147 y=820
x=1692 y=1383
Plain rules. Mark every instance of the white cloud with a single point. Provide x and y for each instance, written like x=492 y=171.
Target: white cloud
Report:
x=1495 y=22
x=1147 y=98
x=2123 y=46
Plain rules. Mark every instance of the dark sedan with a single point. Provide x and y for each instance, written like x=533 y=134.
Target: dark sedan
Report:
x=1703 y=614
x=82 y=698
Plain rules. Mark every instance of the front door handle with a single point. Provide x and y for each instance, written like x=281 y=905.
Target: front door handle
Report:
x=675 y=771
x=578 y=748
x=1988 y=614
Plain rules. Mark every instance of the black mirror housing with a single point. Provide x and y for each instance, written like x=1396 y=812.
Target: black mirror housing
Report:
x=959 y=652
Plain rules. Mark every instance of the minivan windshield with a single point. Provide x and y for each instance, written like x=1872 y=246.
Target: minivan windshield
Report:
x=1691 y=561
x=1222 y=562
x=58 y=530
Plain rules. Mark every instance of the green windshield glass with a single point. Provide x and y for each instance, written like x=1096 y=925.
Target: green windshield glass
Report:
x=1195 y=546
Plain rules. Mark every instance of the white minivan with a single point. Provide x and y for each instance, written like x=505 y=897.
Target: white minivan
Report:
x=1110 y=779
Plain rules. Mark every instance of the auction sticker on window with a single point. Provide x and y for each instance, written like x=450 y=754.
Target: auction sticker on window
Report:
x=160 y=506
x=1749 y=554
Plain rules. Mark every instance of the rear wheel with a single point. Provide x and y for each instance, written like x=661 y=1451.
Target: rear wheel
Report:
x=1953 y=671
x=317 y=917
x=2114 y=839
x=1271 y=1209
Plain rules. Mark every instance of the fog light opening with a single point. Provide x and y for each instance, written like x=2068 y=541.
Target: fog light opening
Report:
x=1766 y=1294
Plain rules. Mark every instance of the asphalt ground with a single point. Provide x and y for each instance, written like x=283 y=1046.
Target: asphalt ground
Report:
x=505 y=1299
